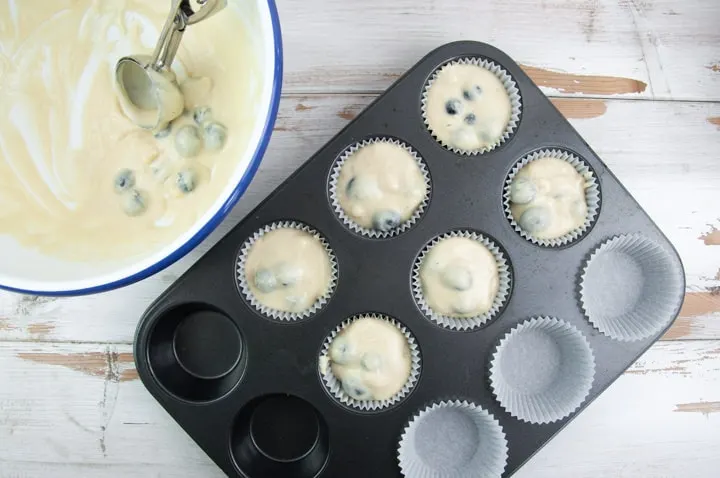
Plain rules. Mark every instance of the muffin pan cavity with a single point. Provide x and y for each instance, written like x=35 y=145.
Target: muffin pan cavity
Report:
x=509 y=335
x=279 y=435
x=196 y=352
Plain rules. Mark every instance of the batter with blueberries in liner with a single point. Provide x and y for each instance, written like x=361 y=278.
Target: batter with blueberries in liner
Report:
x=467 y=107
x=459 y=278
x=547 y=198
x=371 y=358
x=288 y=270
x=380 y=186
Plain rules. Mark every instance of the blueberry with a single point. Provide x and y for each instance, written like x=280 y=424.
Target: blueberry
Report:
x=453 y=106
x=457 y=277
x=470 y=118
x=363 y=187
x=188 y=141
x=163 y=133
x=265 y=281
x=471 y=94
x=371 y=362
x=215 y=136
x=356 y=389
x=202 y=114
x=133 y=202
x=522 y=190
x=124 y=180
x=341 y=351
x=386 y=220
x=186 y=181
x=350 y=187
x=535 y=219
x=288 y=274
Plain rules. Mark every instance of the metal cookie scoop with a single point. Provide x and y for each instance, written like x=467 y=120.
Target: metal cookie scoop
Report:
x=148 y=91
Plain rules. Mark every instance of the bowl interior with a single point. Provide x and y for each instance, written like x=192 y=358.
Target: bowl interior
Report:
x=26 y=270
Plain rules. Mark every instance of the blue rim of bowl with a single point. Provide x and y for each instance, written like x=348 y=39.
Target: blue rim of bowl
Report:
x=230 y=202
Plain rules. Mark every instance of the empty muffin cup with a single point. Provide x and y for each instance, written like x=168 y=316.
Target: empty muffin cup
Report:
x=279 y=435
x=464 y=285
x=546 y=205
x=471 y=105
x=196 y=352
x=286 y=271
x=630 y=288
x=453 y=439
x=542 y=370
x=369 y=362
x=379 y=187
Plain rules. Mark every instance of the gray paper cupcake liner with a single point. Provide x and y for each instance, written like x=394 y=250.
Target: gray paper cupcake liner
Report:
x=592 y=196
x=281 y=314
x=438 y=443
x=510 y=86
x=334 y=386
x=464 y=323
x=347 y=220
x=630 y=288
x=542 y=370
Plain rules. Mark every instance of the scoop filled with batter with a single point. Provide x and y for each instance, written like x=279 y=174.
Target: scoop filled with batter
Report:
x=372 y=360
x=286 y=271
x=379 y=186
x=548 y=196
x=471 y=106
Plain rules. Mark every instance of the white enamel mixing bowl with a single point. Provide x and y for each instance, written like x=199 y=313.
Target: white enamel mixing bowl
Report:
x=25 y=270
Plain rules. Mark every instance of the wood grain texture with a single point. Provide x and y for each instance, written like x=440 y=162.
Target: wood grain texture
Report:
x=664 y=153
x=639 y=48
x=69 y=413
x=71 y=404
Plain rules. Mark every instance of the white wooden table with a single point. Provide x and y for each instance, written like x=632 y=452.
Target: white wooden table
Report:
x=639 y=79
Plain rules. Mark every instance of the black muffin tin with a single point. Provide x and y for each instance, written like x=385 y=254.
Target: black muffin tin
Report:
x=247 y=388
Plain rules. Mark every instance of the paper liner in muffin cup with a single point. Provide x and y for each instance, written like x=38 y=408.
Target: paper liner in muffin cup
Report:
x=542 y=370
x=335 y=387
x=592 y=196
x=464 y=323
x=275 y=313
x=510 y=87
x=453 y=439
x=347 y=220
x=630 y=288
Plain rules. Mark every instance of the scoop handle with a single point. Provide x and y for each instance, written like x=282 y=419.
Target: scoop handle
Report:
x=181 y=15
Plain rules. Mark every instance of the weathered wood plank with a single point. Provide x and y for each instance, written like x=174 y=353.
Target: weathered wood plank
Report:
x=664 y=152
x=74 y=410
x=648 y=49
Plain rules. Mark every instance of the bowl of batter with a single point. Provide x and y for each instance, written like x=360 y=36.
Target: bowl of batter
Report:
x=88 y=200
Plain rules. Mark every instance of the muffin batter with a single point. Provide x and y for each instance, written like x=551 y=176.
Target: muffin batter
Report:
x=79 y=180
x=380 y=186
x=467 y=107
x=459 y=278
x=288 y=270
x=547 y=198
x=371 y=358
